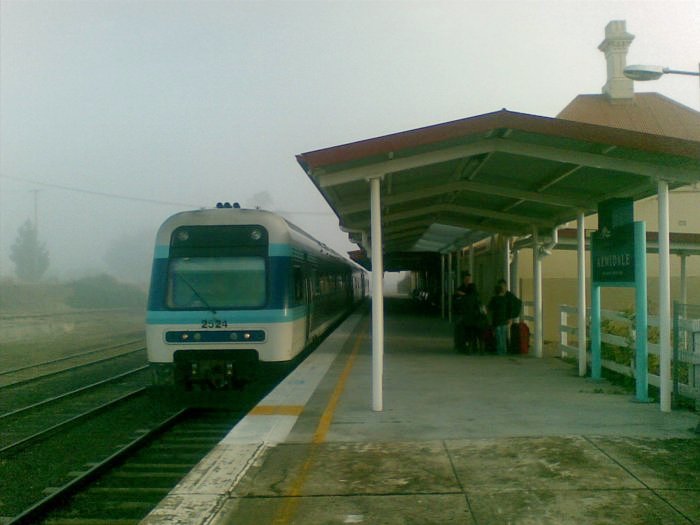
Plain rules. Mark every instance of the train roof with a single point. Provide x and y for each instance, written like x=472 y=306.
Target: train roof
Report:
x=280 y=229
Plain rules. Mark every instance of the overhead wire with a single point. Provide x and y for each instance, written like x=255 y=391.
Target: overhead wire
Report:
x=136 y=199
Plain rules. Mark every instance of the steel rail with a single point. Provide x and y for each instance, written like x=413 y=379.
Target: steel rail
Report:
x=63 y=370
x=73 y=392
x=24 y=442
x=41 y=508
x=65 y=358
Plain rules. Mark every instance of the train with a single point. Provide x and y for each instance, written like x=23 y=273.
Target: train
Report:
x=238 y=291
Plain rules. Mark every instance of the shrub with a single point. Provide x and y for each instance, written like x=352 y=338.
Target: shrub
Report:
x=104 y=291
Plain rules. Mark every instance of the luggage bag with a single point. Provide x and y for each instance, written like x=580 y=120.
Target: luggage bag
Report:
x=519 y=338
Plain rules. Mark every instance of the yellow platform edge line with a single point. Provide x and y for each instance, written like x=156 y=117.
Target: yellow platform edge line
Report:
x=277 y=410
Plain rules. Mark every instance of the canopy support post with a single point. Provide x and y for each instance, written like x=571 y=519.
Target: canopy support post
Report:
x=581 y=324
x=664 y=300
x=514 y=274
x=450 y=287
x=506 y=261
x=377 y=297
x=684 y=279
x=471 y=260
x=537 y=288
x=442 y=286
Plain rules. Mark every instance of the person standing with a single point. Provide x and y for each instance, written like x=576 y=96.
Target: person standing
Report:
x=500 y=317
x=504 y=307
x=470 y=322
x=458 y=310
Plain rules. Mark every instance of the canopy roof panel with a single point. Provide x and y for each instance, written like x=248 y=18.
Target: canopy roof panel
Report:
x=447 y=185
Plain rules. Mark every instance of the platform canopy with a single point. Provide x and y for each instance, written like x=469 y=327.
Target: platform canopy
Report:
x=448 y=185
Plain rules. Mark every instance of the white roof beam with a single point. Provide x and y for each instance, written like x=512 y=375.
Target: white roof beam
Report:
x=467 y=210
x=473 y=187
x=394 y=227
x=596 y=160
x=407 y=234
x=326 y=180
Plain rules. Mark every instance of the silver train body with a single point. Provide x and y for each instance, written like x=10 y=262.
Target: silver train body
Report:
x=233 y=291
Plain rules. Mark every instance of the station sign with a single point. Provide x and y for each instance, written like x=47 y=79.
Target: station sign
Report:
x=613 y=255
x=612 y=246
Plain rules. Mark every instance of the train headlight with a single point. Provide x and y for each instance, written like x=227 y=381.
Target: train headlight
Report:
x=183 y=235
x=256 y=234
x=215 y=336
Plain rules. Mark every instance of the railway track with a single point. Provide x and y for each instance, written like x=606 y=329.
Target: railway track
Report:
x=62 y=420
x=33 y=371
x=28 y=424
x=48 y=417
x=62 y=446
x=128 y=484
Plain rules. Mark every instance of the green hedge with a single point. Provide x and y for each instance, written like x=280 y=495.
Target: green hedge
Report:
x=104 y=291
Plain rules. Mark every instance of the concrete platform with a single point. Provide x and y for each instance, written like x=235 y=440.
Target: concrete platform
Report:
x=462 y=439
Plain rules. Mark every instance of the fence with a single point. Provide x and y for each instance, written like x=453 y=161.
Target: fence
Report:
x=618 y=343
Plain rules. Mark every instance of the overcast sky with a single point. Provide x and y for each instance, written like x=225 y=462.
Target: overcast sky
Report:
x=115 y=114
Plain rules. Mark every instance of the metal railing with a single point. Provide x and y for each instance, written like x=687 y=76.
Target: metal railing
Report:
x=618 y=337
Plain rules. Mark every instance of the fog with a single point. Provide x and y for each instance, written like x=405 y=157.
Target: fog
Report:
x=116 y=114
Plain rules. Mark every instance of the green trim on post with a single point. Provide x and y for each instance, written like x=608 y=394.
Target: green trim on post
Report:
x=641 y=371
x=595 y=332
x=641 y=318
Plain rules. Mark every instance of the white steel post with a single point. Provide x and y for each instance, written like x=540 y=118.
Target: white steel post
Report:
x=684 y=279
x=471 y=261
x=449 y=286
x=377 y=298
x=563 y=334
x=537 y=286
x=506 y=261
x=458 y=271
x=514 y=274
x=581 y=323
x=664 y=300
x=683 y=300
x=442 y=285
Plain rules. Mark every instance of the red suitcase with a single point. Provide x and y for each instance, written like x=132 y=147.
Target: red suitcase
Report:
x=519 y=338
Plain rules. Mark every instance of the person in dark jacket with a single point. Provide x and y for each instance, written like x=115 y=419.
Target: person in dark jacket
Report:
x=500 y=320
x=503 y=307
x=468 y=317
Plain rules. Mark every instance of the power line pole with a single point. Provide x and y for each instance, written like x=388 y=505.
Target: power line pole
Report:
x=36 y=209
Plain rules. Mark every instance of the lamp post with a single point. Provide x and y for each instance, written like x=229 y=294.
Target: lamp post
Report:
x=640 y=72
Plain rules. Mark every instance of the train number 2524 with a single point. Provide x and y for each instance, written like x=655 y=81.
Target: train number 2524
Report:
x=213 y=324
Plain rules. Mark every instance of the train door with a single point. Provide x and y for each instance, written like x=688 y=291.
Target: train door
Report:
x=308 y=294
x=302 y=297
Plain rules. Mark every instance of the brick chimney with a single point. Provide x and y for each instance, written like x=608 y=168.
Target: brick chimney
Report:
x=617 y=41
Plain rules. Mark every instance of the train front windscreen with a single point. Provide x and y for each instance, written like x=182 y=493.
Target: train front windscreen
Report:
x=217 y=267
x=216 y=283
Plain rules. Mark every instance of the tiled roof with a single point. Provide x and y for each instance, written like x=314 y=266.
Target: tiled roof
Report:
x=647 y=113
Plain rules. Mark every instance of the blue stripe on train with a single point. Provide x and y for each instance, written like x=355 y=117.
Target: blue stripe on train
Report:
x=230 y=316
x=162 y=251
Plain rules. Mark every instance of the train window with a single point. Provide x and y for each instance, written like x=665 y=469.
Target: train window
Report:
x=216 y=283
x=298 y=286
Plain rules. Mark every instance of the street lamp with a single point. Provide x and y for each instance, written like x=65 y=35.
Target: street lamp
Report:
x=638 y=72
x=654 y=73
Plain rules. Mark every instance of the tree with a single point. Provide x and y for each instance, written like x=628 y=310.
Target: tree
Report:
x=31 y=258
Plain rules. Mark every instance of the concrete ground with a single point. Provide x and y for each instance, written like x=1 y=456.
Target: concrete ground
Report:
x=469 y=440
